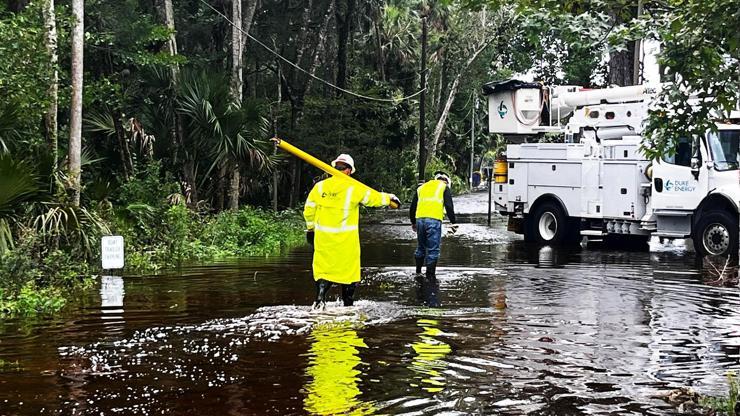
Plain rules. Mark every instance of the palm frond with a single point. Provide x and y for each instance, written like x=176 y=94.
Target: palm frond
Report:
x=101 y=122
x=19 y=184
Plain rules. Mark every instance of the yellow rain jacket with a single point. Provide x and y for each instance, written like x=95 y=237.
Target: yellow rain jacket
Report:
x=332 y=211
x=431 y=200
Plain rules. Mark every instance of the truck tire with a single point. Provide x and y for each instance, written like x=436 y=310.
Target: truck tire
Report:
x=716 y=234
x=548 y=224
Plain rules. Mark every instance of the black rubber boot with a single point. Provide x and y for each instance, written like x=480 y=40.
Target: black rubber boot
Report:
x=322 y=289
x=432 y=270
x=348 y=294
x=419 y=263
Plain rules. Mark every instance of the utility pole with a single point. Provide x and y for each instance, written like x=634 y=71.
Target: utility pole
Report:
x=422 y=130
x=472 y=136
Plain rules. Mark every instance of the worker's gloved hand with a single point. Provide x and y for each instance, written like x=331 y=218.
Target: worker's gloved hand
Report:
x=309 y=237
x=396 y=200
x=413 y=227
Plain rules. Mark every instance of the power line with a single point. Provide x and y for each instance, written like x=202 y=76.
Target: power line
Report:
x=291 y=63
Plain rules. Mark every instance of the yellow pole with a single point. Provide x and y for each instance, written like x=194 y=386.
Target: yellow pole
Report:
x=319 y=164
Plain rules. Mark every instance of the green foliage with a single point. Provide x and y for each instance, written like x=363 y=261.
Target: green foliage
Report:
x=701 y=53
x=251 y=231
x=68 y=226
x=151 y=186
x=724 y=404
x=36 y=280
x=25 y=69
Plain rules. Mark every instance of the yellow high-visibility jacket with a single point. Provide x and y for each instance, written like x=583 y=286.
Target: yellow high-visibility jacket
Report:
x=431 y=200
x=332 y=211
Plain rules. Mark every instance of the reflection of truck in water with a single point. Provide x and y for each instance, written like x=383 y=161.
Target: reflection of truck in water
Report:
x=594 y=181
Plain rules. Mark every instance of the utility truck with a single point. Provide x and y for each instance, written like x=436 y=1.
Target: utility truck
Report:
x=574 y=168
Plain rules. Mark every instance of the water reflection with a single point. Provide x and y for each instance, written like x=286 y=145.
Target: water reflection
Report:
x=429 y=362
x=111 y=293
x=548 y=257
x=720 y=270
x=333 y=361
x=427 y=292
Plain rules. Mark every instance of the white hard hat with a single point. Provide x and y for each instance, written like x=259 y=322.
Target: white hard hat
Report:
x=346 y=159
x=442 y=176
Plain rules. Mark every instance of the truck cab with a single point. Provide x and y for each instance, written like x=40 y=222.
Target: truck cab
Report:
x=575 y=168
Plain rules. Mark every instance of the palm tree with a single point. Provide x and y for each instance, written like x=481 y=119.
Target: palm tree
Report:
x=217 y=131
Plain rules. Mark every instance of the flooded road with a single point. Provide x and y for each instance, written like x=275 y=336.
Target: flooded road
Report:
x=520 y=330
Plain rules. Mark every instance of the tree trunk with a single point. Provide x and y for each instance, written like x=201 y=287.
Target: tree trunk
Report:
x=234 y=188
x=379 y=57
x=247 y=23
x=123 y=149
x=51 y=111
x=319 y=51
x=167 y=14
x=344 y=11
x=237 y=56
x=302 y=43
x=422 y=102
x=235 y=90
x=450 y=99
x=75 y=120
x=621 y=67
x=621 y=64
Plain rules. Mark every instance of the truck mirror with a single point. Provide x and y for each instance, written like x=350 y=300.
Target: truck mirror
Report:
x=695 y=166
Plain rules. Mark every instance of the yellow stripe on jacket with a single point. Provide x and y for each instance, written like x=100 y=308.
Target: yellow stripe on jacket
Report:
x=332 y=211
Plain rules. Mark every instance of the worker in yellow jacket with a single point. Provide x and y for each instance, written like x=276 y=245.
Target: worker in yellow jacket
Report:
x=430 y=204
x=332 y=216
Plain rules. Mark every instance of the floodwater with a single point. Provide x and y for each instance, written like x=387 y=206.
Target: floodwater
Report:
x=507 y=329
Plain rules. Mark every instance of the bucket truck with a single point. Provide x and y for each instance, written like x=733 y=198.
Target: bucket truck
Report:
x=574 y=168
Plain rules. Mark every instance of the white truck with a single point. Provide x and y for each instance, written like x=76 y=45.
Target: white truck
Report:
x=594 y=181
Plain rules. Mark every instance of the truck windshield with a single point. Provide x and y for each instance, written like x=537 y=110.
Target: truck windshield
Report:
x=725 y=145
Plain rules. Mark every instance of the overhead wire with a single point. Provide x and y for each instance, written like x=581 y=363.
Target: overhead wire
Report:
x=296 y=66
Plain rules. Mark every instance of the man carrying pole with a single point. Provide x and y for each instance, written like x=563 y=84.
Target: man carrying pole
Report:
x=431 y=201
x=332 y=216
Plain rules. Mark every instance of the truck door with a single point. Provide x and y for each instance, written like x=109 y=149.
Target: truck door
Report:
x=674 y=185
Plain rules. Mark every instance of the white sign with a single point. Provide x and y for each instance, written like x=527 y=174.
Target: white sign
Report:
x=111 y=251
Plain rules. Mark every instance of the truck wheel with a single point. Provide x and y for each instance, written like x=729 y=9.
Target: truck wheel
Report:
x=716 y=234
x=548 y=224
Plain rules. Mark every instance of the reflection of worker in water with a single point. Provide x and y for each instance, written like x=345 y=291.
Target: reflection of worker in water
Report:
x=332 y=213
x=427 y=292
x=430 y=352
x=428 y=208
x=333 y=361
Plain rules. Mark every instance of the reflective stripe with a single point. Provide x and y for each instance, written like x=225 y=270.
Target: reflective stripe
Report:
x=336 y=230
x=347 y=202
x=366 y=198
x=440 y=191
x=310 y=204
x=321 y=187
x=384 y=199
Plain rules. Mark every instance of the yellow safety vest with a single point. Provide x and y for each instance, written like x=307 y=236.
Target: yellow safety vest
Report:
x=332 y=211
x=431 y=200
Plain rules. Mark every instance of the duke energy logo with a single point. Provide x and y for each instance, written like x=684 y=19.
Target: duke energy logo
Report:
x=502 y=109
x=679 y=186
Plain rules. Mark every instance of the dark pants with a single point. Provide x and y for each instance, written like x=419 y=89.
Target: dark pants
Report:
x=428 y=237
x=348 y=291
